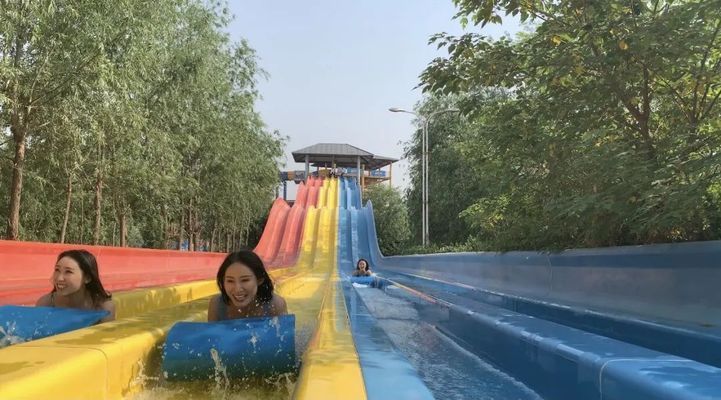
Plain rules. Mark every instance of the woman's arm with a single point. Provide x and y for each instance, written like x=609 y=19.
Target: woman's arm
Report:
x=213 y=309
x=109 y=306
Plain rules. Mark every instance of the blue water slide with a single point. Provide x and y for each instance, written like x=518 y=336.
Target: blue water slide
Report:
x=342 y=200
x=637 y=322
x=355 y=238
x=387 y=373
x=345 y=245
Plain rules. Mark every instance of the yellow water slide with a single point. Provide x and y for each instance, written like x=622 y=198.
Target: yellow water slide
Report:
x=112 y=360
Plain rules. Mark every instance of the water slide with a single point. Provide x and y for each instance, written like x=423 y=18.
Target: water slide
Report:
x=637 y=322
x=27 y=268
x=27 y=265
x=278 y=245
x=622 y=323
x=123 y=356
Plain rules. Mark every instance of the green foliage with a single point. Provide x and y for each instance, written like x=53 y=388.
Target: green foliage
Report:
x=391 y=218
x=437 y=248
x=453 y=186
x=600 y=128
x=147 y=105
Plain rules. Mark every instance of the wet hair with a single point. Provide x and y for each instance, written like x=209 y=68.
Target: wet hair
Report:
x=358 y=267
x=252 y=261
x=89 y=266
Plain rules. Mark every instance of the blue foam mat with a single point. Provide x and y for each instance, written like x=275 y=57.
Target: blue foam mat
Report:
x=21 y=323
x=237 y=348
x=362 y=280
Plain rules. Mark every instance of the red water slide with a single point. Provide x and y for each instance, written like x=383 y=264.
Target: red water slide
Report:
x=269 y=242
x=290 y=245
x=312 y=196
x=27 y=268
x=279 y=244
x=302 y=196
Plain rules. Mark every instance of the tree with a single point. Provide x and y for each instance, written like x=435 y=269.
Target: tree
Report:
x=391 y=217
x=453 y=186
x=46 y=52
x=606 y=130
x=131 y=123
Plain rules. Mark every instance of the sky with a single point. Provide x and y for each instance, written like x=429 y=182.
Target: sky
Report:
x=336 y=66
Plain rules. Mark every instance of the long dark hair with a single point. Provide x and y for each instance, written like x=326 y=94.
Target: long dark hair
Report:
x=358 y=267
x=89 y=266
x=252 y=261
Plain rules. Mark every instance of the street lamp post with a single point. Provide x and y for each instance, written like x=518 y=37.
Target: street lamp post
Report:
x=424 y=166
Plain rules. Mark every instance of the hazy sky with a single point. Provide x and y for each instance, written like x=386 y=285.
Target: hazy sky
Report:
x=337 y=65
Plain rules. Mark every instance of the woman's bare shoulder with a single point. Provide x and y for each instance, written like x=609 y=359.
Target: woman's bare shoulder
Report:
x=44 y=300
x=280 y=307
x=108 y=305
x=215 y=299
x=213 y=305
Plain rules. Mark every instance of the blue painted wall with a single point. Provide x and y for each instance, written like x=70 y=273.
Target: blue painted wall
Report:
x=680 y=281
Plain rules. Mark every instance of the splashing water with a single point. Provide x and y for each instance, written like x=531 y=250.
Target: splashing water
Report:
x=275 y=322
x=141 y=378
x=283 y=383
x=7 y=337
x=220 y=373
x=254 y=341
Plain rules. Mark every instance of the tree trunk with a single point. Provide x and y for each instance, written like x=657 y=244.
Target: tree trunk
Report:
x=227 y=242
x=98 y=207
x=18 y=130
x=198 y=231
x=180 y=230
x=167 y=226
x=163 y=230
x=64 y=228
x=198 y=234
x=191 y=231
x=211 y=245
x=123 y=220
x=82 y=220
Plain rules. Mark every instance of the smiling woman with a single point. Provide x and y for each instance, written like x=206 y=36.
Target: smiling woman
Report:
x=76 y=284
x=246 y=290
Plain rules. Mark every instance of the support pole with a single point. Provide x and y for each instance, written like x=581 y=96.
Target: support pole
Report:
x=424 y=183
x=363 y=178
x=358 y=176
x=307 y=167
